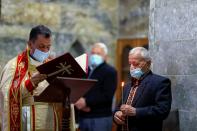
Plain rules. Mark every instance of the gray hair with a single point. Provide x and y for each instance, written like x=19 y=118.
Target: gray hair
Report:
x=103 y=46
x=143 y=52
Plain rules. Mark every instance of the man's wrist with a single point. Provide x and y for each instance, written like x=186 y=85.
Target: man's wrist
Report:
x=29 y=85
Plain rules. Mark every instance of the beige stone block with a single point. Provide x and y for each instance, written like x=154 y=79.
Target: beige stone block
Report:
x=32 y=13
x=14 y=31
x=109 y=4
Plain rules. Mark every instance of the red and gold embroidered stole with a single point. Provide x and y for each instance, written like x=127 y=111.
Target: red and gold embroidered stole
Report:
x=15 y=97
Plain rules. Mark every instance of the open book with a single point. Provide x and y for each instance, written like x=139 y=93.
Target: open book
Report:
x=65 y=66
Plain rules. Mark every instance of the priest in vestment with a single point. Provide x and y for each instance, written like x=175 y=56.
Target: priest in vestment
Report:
x=20 y=81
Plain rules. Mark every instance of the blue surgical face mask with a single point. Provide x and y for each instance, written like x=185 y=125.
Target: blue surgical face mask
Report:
x=95 y=60
x=136 y=73
x=40 y=56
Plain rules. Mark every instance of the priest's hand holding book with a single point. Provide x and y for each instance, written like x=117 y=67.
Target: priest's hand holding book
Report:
x=37 y=78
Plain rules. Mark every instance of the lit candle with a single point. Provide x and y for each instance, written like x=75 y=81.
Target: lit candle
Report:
x=122 y=85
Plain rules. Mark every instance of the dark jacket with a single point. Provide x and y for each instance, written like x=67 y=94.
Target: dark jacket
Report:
x=99 y=98
x=152 y=102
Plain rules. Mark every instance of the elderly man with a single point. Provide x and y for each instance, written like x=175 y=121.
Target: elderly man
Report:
x=20 y=81
x=146 y=99
x=95 y=107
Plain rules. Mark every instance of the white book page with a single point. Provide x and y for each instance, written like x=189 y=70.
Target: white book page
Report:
x=82 y=60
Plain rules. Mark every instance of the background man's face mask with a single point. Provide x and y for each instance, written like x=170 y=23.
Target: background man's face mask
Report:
x=40 y=56
x=95 y=60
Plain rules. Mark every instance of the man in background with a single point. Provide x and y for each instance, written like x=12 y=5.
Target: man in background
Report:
x=146 y=99
x=95 y=113
x=19 y=81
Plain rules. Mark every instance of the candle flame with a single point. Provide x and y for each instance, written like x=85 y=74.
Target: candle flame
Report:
x=122 y=83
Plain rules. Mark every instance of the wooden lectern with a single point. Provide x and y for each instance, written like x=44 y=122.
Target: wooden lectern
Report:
x=66 y=76
x=65 y=90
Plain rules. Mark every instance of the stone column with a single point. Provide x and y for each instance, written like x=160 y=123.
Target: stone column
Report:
x=173 y=46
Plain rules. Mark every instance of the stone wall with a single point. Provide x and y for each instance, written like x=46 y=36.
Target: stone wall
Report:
x=133 y=18
x=173 y=45
x=85 y=21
